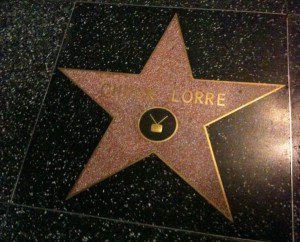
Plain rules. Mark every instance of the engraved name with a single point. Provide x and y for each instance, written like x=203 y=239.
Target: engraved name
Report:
x=198 y=97
x=114 y=90
x=185 y=96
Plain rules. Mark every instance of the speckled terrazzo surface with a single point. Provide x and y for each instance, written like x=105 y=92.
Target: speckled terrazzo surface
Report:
x=147 y=201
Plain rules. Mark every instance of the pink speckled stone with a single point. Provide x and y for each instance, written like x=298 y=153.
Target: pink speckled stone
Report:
x=188 y=152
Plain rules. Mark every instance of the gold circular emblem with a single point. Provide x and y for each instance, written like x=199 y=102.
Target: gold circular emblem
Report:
x=158 y=124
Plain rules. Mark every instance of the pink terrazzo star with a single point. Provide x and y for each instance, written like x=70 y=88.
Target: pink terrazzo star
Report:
x=165 y=81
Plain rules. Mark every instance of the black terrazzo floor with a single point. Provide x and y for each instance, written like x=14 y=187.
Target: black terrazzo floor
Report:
x=49 y=127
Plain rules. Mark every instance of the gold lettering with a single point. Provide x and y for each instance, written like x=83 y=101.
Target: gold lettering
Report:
x=113 y=90
x=190 y=96
x=140 y=95
x=198 y=97
x=149 y=94
x=174 y=99
x=221 y=99
x=106 y=89
x=209 y=98
x=117 y=90
x=187 y=96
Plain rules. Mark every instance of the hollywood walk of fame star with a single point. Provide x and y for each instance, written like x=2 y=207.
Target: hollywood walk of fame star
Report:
x=166 y=83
